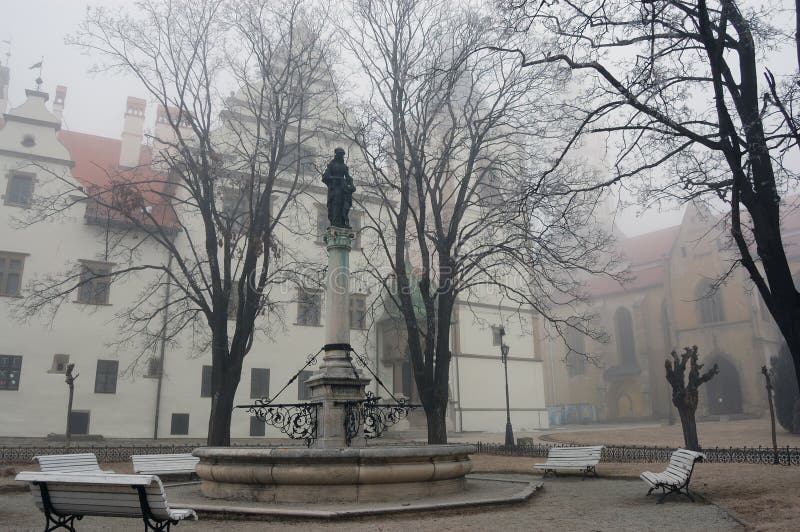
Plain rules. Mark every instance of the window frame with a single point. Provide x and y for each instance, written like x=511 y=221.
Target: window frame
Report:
x=306 y=296
x=172 y=424
x=88 y=422
x=710 y=307
x=205 y=381
x=9 y=364
x=91 y=283
x=255 y=421
x=16 y=174
x=106 y=384
x=5 y=271
x=59 y=358
x=254 y=393
x=363 y=298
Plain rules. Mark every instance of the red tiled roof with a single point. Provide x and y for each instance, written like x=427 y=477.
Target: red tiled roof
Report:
x=649 y=247
x=97 y=170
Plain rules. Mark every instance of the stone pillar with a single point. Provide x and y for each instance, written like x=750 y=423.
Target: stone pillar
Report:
x=337 y=380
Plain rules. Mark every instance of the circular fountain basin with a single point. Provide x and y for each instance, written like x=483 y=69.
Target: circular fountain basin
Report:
x=295 y=474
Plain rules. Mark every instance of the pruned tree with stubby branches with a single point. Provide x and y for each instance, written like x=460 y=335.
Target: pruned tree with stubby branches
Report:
x=694 y=110
x=685 y=390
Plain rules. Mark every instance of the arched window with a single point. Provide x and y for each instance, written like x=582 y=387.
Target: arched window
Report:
x=626 y=345
x=576 y=356
x=709 y=303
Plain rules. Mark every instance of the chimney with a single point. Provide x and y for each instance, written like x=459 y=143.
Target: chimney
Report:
x=132 y=130
x=5 y=76
x=58 y=102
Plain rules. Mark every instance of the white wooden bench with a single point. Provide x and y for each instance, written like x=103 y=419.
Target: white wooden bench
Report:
x=677 y=475
x=583 y=459
x=69 y=463
x=65 y=497
x=164 y=464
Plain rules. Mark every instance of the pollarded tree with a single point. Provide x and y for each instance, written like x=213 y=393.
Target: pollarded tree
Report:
x=675 y=86
x=455 y=141
x=685 y=390
x=225 y=172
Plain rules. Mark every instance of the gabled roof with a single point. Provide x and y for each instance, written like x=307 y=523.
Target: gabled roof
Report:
x=646 y=255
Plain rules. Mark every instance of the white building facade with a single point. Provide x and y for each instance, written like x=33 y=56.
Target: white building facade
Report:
x=122 y=393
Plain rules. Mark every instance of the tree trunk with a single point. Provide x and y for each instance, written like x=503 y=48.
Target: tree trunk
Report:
x=689 y=426
x=222 y=398
x=436 y=416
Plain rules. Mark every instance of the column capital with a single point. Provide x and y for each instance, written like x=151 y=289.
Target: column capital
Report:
x=339 y=237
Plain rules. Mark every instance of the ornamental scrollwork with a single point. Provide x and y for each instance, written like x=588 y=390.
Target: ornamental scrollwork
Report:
x=373 y=416
x=296 y=420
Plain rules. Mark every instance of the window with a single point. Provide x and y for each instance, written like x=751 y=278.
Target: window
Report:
x=497 y=336
x=358 y=311
x=576 y=356
x=205 y=382
x=234 y=210
x=626 y=345
x=105 y=380
x=59 y=364
x=257 y=427
x=259 y=383
x=95 y=283
x=322 y=223
x=303 y=392
x=11 y=266
x=355 y=224
x=179 y=425
x=309 y=304
x=79 y=422
x=10 y=369
x=153 y=367
x=19 y=191
x=709 y=303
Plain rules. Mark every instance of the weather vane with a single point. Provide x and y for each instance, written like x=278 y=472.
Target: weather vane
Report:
x=38 y=79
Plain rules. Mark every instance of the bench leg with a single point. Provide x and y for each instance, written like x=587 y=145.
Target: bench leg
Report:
x=54 y=520
x=663 y=495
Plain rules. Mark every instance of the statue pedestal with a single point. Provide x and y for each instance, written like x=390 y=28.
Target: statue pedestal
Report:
x=337 y=380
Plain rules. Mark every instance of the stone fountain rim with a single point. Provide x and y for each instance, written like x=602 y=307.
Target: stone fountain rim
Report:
x=378 y=451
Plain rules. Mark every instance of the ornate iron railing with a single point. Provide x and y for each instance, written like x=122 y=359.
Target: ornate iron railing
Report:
x=373 y=416
x=296 y=420
x=634 y=453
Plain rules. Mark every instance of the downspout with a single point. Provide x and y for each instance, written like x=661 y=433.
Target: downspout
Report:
x=456 y=339
x=162 y=348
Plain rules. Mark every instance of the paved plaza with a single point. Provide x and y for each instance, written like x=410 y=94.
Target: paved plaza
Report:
x=565 y=503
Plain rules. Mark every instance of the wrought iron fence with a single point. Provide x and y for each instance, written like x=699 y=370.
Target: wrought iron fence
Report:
x=643 y=453
x=23 y=454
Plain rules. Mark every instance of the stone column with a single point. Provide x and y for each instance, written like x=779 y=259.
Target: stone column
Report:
x=337 y=380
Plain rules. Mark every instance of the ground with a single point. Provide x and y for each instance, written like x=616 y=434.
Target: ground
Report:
x=762 y=497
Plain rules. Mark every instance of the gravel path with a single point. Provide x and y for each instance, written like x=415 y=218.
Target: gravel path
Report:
x=564 y=504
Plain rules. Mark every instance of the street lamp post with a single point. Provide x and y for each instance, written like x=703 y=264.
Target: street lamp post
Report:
x=504 y=358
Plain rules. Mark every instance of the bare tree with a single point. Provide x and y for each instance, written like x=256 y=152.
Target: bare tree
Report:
x=225 y=172
x=675 y=84
x=452 y=138
x=684 y=390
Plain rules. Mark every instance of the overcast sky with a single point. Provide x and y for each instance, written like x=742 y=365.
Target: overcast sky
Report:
x=95 y=103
